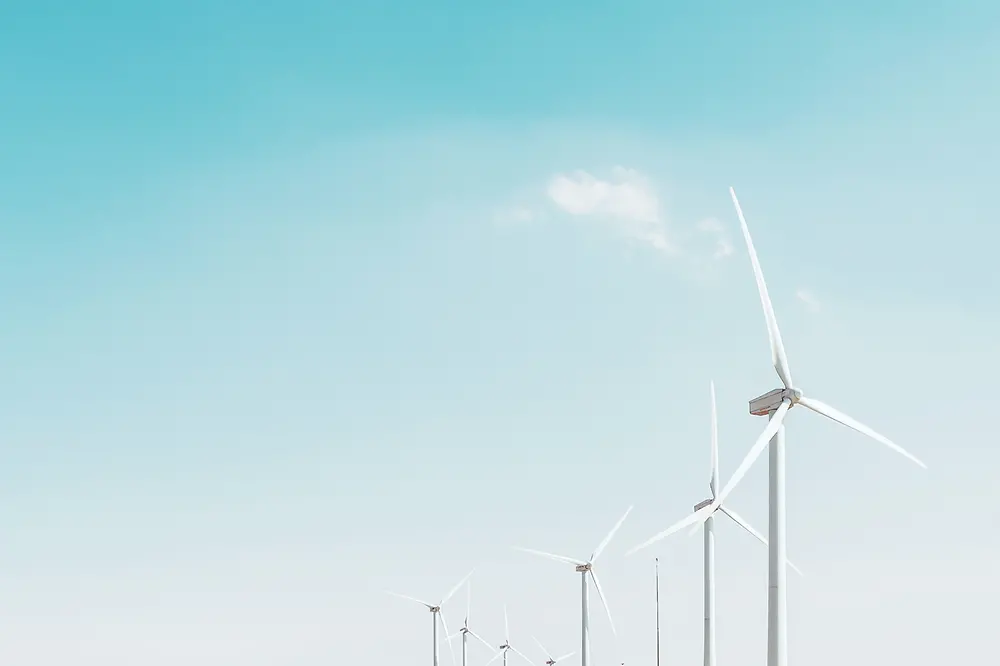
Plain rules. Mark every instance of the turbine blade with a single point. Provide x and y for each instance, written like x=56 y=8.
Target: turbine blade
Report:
x=547 y=654
x=778 y=357
x=480 y=639
x=403 y=596
x=557 y=558
x=454 y=635
x=468 y=603
x=604 y=601
x=444 y=625
x=521 y=655
x=714 y=483
x=696 y=519
x=607 y=539
x=842 y=418
x=564 y=657
x=506 y=626
x=495 y=657
x=758 y=448
x=736 y=518
x=456 y=588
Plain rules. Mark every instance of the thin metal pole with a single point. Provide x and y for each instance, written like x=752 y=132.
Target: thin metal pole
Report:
x=657 y=611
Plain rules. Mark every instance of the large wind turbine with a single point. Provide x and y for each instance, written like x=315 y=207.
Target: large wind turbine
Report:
x=708 y=517
x=436 y=615
x=465 y=631
x=585 y=569
x=775 y=405
x=549 y=659
x=507 y=647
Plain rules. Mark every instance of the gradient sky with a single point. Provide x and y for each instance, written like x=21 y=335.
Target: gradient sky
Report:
x=304 y=302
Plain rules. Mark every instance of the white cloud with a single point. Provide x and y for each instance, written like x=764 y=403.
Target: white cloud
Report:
x=628 y=200
x=809 y=299
x=723 y=246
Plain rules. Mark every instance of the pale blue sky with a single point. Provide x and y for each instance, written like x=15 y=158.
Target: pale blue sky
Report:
x=275 y=340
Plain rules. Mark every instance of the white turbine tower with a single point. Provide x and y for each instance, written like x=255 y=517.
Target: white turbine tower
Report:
x=775 y=405
x=708 y=518
x=507 y=647
x=585 y=569
x=465 y=631
x=549 y=659
x=436 y=615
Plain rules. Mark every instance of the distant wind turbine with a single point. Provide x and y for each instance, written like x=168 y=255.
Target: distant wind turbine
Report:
x=549 y=659
x=465 y=631
x=507 y=647
x=585 y=569
x=708 y=518
x=436 y=615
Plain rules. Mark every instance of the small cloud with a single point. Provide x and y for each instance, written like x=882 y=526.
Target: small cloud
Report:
x=628 y=200
x=723 y=246
x=809 y=299
x=515 y=215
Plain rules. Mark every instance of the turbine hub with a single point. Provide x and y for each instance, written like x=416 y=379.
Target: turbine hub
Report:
x=583 y=568
x=435 y=609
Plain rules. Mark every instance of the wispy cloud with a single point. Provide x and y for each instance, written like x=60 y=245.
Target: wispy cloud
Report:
x=627 y=200
x=809 y=299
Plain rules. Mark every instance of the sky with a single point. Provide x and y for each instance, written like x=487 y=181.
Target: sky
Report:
x=305 y=302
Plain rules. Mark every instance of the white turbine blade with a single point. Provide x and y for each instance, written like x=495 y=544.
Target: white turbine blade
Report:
x=454 y=635
x=557 y=558
x=444 y=625
x=480 y=639
x=694 y=529
x=547 y=654
x=521 y=655
x=403 y=596
x=842 y=418
x=506 y=626
x=714 y=483
x=778 y=357
x=456 y=588
x=754 y=533
x=607 y=539
x=696 y=518
x=564 y=657
x=755 y=451
x=604 y=601
x=495 y=657
x=468 y=603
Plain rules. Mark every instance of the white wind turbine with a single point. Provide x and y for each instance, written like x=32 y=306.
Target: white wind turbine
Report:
x=708 y=518
x=506 y=647
x=436 y=615
x=775 y=405
x=585 y=569
x=465 y=631
x=549 y=659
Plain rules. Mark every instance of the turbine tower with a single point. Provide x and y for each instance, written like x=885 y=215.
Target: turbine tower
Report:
x=549 y=659
x=507 y=647
x=585 y=569
x=465 y=631
x=436 y=615
x=775 y=405
x=708 y=518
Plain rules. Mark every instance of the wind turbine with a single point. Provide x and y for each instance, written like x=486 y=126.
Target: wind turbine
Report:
x=436 y=615
x=506 y=647
x=708 y=518
x=585 y=569
x=550 y=660
x=465 y=631
x=775 y=405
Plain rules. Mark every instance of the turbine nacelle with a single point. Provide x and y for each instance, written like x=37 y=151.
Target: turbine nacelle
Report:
x=701 y=505
x=768 y=403
x=583 y=568
x=435 y=609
